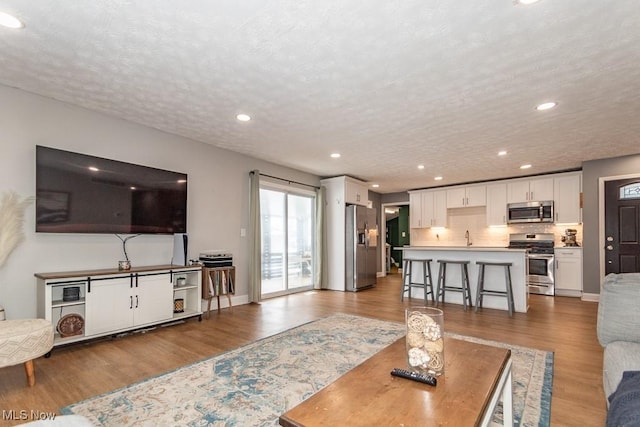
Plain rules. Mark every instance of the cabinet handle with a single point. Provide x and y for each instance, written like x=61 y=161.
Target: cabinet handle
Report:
x=136 y=301
x=463 y=201
x=130 y=302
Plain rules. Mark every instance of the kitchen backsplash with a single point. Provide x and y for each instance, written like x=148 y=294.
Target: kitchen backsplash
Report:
x=474 y=220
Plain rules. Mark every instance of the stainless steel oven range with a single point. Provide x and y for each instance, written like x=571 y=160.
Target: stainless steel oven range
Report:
x=540 y=260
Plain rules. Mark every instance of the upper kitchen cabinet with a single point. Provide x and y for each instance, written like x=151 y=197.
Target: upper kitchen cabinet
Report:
x=356 y=192
x=567 y=189
x=533 y=190
x=497 y=204
x=428 y=208
x=462 y=197
x=349 y=190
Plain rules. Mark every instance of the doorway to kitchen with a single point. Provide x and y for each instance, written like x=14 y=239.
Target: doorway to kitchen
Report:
x=396 y=233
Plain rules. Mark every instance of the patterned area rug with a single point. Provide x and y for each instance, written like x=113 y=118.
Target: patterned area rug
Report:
x=254 y=384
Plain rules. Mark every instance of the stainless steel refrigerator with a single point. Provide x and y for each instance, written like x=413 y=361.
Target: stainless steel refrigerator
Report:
x=362 y=242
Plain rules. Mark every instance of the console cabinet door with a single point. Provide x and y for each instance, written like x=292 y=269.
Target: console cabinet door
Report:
x=152 y=299
x=109 y=305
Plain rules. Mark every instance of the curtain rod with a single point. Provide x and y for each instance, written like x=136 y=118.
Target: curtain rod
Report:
x=286 y=180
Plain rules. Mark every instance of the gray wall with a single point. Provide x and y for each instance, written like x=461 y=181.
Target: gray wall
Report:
x=401 y=197
x=592 y=171
x=218 y=199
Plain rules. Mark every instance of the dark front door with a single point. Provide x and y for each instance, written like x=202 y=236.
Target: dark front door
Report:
x=622 y=226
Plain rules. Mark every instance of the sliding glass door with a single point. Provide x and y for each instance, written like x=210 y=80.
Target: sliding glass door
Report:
x=287 y=224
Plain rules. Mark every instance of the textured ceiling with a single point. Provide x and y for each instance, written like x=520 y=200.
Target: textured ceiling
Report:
x=388 y=84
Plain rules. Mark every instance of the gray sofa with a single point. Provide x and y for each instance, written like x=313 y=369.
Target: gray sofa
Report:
x=619 y=332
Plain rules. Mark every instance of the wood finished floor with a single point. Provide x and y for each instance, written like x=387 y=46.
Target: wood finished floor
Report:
x=566 y=326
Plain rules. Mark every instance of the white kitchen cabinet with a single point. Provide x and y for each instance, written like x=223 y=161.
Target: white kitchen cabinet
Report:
x=568 y=271
x=339 y=192
x=567 y=189
x=496 y=204
x=112 y=301
x=356 y=192
x=428 y=208
x=532 y=190
x=415 y=209
x=462 y=197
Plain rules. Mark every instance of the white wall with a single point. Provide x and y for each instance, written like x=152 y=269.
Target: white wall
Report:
x=218 y=198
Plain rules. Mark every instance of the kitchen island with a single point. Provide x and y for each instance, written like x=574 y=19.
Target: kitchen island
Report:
x=494 y=276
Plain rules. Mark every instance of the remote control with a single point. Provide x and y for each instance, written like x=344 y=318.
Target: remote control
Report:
x=415 y=376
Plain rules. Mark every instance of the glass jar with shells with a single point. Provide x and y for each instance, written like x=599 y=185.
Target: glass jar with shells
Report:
x=425 y=340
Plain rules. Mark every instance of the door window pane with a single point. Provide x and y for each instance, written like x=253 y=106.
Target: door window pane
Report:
x=300 y=232
x=631 y=191
x=272 y=214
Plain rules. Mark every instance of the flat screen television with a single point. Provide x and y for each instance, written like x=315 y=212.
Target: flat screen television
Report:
x=78 y=193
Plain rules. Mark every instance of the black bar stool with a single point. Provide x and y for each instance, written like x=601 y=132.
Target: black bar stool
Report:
x=464 y=286
x=407 y=284
x=508 y=293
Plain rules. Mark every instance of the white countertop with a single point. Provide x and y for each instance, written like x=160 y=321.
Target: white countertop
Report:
x=460 y=248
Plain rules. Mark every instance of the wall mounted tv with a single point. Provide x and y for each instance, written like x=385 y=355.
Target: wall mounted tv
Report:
x=77 y=193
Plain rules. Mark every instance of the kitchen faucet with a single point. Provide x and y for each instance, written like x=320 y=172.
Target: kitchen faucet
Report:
x=466 y=236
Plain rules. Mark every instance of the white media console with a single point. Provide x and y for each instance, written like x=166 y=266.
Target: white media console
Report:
x=89 y=304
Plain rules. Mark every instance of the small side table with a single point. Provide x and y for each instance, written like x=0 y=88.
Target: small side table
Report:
x=216 y=282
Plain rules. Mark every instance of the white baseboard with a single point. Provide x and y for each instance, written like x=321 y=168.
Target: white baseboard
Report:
x=568 y=293
x=590 y=297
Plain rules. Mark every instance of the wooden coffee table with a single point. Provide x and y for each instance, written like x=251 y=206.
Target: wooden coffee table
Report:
x=475 y=378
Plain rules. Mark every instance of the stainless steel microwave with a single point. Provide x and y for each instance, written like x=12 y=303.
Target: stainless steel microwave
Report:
x=530 y=212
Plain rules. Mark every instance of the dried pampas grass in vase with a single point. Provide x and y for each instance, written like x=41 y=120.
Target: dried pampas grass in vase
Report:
x=11 y=218
x=12 y=209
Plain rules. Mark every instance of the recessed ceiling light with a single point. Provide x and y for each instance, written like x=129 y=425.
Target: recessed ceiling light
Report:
x=525 y=166
x=438 y=178
x=243 y=117
x=420 y=167
x=375 y=185
x=335 y=155
x=502 y=153
x=546 y=106
x=10 y=21
x=525 y=2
